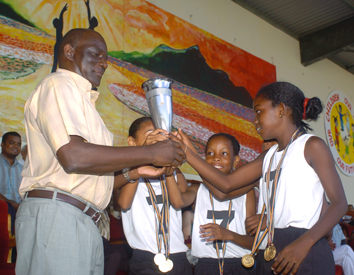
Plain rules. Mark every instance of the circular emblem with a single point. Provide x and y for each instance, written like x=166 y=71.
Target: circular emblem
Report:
x=339 y=126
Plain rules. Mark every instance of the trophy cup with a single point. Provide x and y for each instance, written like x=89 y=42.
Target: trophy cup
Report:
x=159 y=98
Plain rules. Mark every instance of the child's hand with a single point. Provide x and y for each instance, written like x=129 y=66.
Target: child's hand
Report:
x=169 y=171
x=147 y=172
x=184 y=138
x=213 y=232
x=156 y=136
x=251 y=224
x=290 y=258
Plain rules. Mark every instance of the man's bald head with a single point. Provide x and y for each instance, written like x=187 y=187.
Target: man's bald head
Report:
x=84 y=52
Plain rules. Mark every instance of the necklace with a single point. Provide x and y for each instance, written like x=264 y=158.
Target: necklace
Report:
x=270 y=252
x=162 y=226
x=221 y=260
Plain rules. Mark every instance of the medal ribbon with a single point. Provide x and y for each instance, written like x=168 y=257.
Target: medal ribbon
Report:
x=256 y=242
x=221 y=262
x=271 y=198
x=162 y=217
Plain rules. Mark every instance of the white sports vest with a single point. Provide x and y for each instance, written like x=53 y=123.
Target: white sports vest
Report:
x=298 y=201
x=139 y=222
x=203 y=215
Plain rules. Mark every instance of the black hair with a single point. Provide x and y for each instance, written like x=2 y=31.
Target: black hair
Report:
x=136 y=125
x=235 y=144
x=293 y=97
x=6 y=135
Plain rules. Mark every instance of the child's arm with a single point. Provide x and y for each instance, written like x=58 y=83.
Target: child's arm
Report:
x=125 y=199
x=126 y=196
x=214 y=232
x=319 y=157
x=221 y=196
x=179 y=198
x=243 y=176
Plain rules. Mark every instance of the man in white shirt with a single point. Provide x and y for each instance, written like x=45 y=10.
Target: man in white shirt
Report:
x=343 y=254
x=71 y=163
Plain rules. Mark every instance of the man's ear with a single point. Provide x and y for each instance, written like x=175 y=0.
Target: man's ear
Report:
x=69 y=51
x=131 y=141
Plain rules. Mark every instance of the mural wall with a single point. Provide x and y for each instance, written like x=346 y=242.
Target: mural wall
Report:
x=214 y=81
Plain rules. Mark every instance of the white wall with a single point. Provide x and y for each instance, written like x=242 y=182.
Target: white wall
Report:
x=234 y=24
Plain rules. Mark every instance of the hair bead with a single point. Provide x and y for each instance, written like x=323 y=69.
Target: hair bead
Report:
x=306 y=100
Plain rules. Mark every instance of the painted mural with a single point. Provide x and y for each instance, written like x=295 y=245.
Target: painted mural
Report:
x=214 y=81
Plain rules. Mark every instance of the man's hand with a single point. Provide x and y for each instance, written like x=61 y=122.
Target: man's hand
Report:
x=167 y=153
x=156 y=136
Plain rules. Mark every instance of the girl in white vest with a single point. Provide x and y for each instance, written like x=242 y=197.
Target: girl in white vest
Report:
x=219 y=238
x=295 y=174
x=152 y=226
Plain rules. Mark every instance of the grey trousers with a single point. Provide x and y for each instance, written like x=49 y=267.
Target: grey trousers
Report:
x=56 y=238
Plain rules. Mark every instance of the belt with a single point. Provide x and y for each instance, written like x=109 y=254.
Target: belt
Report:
x=48 y=194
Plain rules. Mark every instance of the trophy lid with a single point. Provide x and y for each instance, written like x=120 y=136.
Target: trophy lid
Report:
x=158 y=82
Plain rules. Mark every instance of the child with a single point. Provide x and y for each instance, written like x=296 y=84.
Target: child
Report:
x=306 y=172
x=219 y=238
x=147 y=235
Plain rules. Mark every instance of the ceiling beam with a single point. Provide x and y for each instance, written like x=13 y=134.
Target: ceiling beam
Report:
x=265 y=17
x=326 y=42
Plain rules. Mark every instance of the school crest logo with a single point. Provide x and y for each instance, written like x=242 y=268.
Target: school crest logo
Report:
x=339 y=125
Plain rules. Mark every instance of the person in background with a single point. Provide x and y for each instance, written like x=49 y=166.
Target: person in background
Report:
x=10 y=169
x=70 y=176
x=348 y=218
x=343 y=254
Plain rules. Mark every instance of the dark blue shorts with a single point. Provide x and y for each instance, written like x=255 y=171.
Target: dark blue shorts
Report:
x=319 y=260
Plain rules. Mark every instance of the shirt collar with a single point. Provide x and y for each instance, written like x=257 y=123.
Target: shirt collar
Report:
x=83 y=84
x=5 y=159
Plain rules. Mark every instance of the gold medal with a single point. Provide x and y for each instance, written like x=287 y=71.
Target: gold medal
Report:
x=159 y=258
x=269 y=253
x=166 y=266
x=247 y=260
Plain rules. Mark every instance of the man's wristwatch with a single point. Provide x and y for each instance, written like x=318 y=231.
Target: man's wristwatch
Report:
x=126 y=175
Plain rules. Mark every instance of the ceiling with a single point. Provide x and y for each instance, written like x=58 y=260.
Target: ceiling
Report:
x=324 y=28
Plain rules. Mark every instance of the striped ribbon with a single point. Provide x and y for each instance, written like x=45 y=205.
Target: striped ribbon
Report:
x=271 y=198
x=256 y=242
x=221 y=261
x=162 y=217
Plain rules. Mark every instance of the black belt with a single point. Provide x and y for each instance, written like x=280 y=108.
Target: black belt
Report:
x=48 y=194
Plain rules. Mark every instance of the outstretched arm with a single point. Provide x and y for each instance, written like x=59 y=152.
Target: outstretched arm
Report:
x=78 y=156
x=87 y=3
x=319 y=157
x=179 y=198
x=65 y=8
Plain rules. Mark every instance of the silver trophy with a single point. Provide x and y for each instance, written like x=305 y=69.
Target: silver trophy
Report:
x=159 y=98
